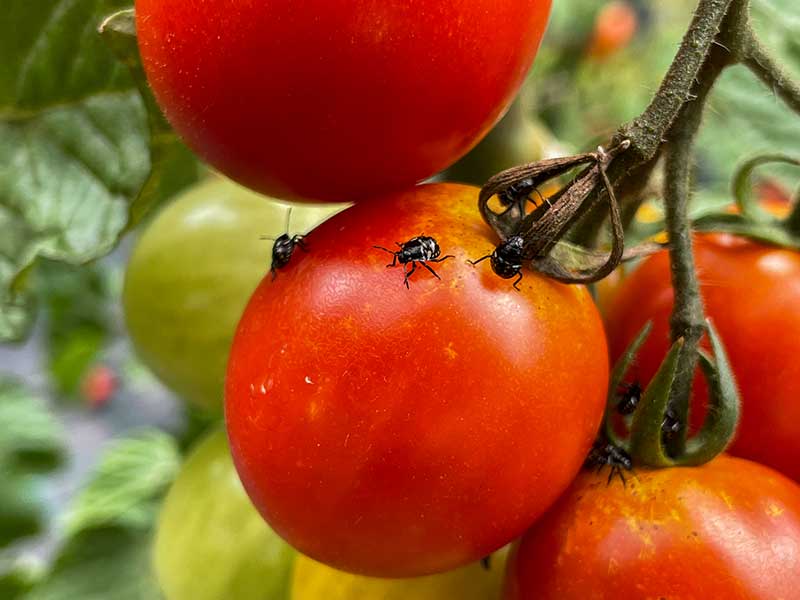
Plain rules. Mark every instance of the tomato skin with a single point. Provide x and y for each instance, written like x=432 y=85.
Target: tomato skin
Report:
x=312 y=581
x=210 y=543
x=337 y=99
x=729 y=529
x=751 y=292
x=399 y=432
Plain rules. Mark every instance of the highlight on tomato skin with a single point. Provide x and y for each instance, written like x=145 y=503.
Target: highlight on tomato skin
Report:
x=751 y=291
x=728 y=529
x=399 y=432
x=339 y=100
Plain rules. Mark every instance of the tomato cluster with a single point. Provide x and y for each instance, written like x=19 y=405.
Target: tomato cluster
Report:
x=751 y=292
x=393 y=407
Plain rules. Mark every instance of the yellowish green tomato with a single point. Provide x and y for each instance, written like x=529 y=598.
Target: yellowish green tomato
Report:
x=314 y=581
x=191 y=274
x=211 y=544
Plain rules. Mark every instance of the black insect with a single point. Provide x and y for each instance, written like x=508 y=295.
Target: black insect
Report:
x=507 y=259
x=421 y=249
x=671 y=426
x=629 y=398
x=604 y=453
x=284 y=246
x=486 y=563
x=518 y=192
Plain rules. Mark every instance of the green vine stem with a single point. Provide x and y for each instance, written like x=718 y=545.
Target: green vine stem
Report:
x=688 y=319
x=742 y=192
x=647 y=133
x=758 y=59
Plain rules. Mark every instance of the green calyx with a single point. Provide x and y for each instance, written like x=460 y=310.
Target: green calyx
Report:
x=752 y=220
x=646 y=440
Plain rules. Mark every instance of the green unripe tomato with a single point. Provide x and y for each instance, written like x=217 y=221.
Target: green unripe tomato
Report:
x=211 y=544
x=191 y=274
x=314 y=581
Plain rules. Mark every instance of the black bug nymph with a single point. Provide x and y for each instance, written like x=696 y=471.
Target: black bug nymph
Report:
x=631 y=395
x=518 y=192
x=506 y=260
x=419 y=250
x=671 y=426
x=606 y=454
x=284 y=246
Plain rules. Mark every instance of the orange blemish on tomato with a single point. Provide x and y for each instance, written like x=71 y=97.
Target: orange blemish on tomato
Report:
x=450 y=351
x=773 y=510
x=727 y=499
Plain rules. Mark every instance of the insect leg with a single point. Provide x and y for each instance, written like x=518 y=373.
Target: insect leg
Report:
x=394 y=255
x=442 y=259
x=409 y=273
x=298 y=239
x=516 y=283
x=480 y=260
x=435 y=274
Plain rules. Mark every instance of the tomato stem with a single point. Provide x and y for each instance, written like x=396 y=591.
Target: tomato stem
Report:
x=759 y=60
x=688 y=319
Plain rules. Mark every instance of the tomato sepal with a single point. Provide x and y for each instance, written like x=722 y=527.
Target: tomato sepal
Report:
x=752 y=219
x=724 y=408
x=617 y=376
x=646 y=441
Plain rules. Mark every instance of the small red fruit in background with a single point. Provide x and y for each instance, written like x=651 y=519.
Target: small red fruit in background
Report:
x=99 y=385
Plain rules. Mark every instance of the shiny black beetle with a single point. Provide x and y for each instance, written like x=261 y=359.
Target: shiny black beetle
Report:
x=421 y=249
x=671 y=425
x=284 y=246
x=630 y=398
x=604 y=453
x=507 y=259
x=518 y=193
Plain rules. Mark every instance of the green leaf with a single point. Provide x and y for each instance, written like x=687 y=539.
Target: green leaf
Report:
x=106 y=555
x=17 y=578
x=30 y=444
x=127 y=484
x=76 y=154
x=101 y=564
x=78 y=320
x=31 y=439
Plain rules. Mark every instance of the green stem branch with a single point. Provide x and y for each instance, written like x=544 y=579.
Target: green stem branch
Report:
x=688 y=319
x=759 y=60
x=648 y=131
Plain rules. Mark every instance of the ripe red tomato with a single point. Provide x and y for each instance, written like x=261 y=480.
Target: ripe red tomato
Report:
x=729 y=529
x=400 y=432
x=751 y=293
x=336 y=99
x=615 y=27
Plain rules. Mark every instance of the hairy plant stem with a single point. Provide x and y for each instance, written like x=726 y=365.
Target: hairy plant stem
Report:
x=758 y=59
x=688 y=319
x=648 y=131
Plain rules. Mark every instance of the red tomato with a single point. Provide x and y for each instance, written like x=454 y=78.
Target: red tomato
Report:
x=99 y=384
x=336 y=99
x=400 y=432
x=752 y=294
x=615 y=27
x=729 y=529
